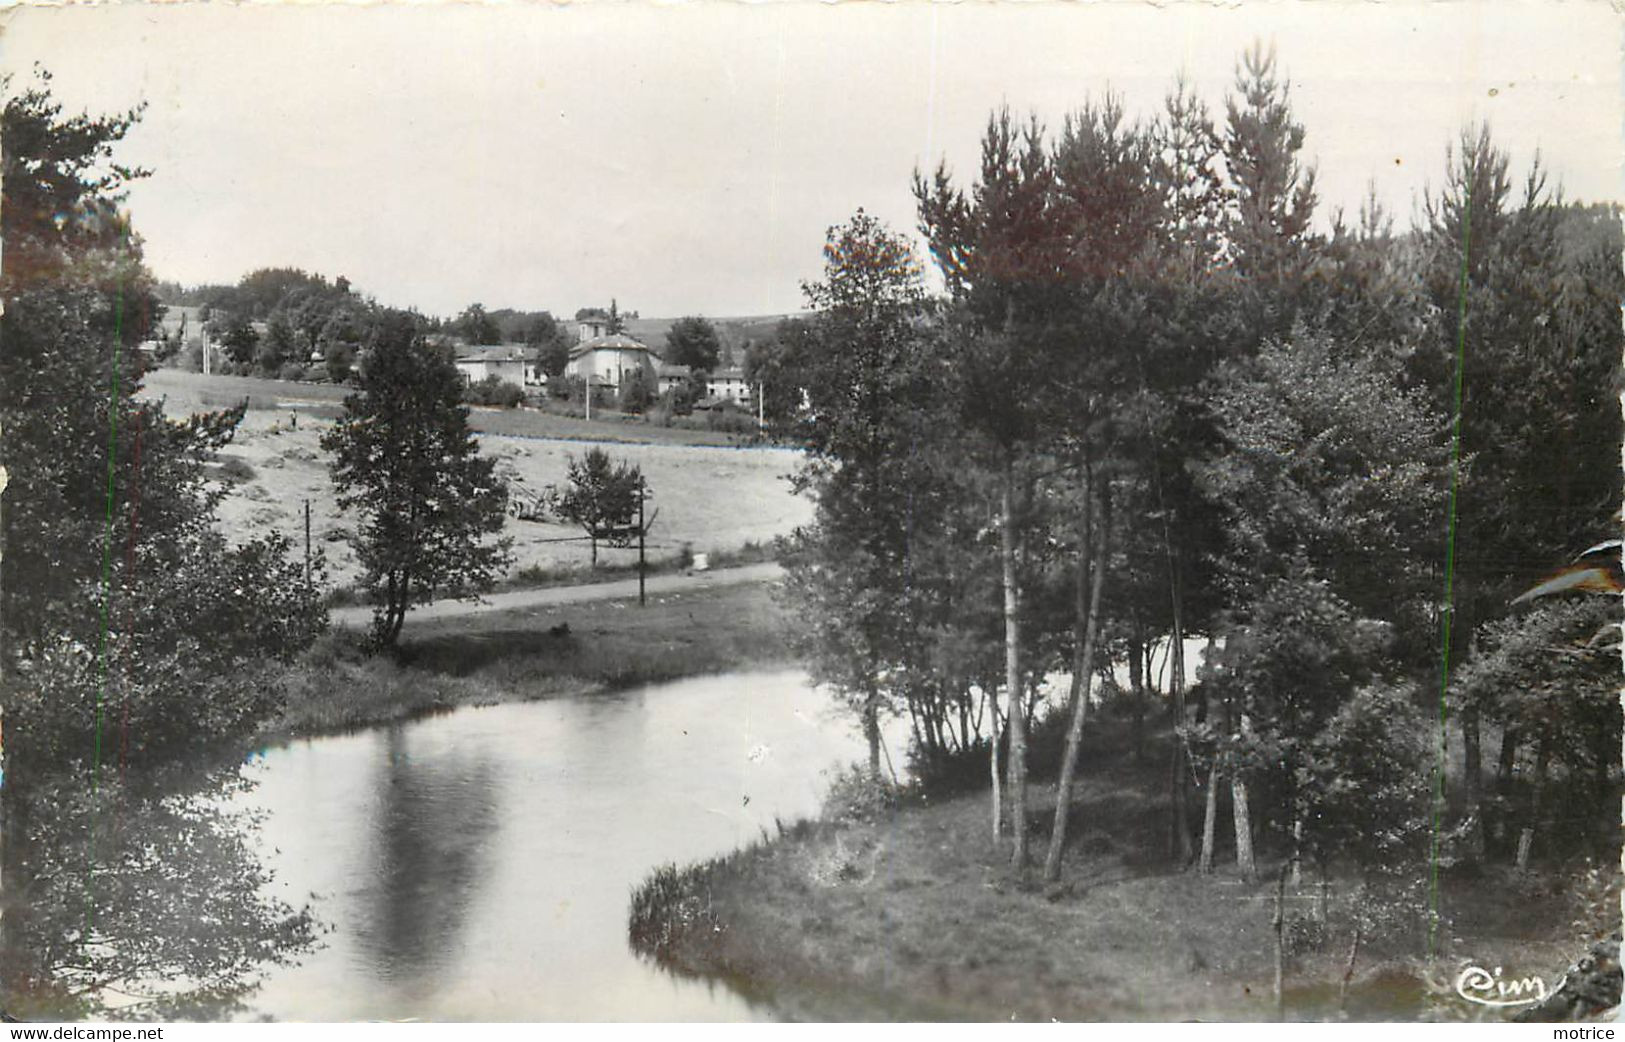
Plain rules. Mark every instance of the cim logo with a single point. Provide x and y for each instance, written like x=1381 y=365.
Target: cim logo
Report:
x=1476 y=984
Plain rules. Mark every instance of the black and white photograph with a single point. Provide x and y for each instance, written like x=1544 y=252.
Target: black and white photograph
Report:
x=794 y=511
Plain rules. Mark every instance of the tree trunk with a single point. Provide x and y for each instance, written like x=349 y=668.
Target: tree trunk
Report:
x=993 y=767
x=1278 y=923
x=1239 y=809
x=1537 y=814
x=1083 y=657
x=1473 y=768
x=1348 y=972
x=1298 y=814
x=1015 y=713
x=1181 y=847
x=871 y=730
x=1244 y=833
x=1210 y=816
x=1507 y=759
x=1136 y=683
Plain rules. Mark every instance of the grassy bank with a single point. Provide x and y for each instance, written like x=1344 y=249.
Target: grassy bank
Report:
x=529 y=654
x=910 y=913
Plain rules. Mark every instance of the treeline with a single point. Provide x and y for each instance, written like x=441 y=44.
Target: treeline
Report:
x=286 y=323
x=1160 y=401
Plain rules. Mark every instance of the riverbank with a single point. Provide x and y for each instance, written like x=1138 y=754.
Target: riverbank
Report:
x=527 y=654
x=912 y=914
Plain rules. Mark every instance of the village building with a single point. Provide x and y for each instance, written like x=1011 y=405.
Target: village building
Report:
x=728 y=385
x=671 y=377
x=509 y=363
x=610 y=360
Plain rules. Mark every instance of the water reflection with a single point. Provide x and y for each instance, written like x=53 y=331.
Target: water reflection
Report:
x=478 y=865
x=139 y=898
x=434 y=820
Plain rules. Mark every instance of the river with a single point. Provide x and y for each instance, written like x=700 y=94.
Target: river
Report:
x=477 y=865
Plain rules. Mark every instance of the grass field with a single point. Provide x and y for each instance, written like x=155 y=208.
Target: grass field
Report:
x=530 y=654
x=711 y=498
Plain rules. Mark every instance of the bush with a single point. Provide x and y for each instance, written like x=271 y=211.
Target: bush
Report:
x=292 y=371
x=729 y=420
x=493 y=390
x=635 y=395
x=855 y=797
x=678 y=400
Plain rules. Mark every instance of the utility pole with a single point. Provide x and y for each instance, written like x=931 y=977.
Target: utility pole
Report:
x=307 y=544
x=761 y=408
x=643 y=493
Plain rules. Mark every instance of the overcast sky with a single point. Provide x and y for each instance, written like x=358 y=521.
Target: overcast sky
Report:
x=688 y=158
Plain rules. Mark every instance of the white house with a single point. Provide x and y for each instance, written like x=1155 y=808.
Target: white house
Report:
x=612 y=360
x=729 y=385
x=509 y=363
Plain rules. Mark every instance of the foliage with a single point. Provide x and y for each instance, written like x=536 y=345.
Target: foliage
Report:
x=774 y=365
x=1368 y=768
x=405 y=461
x=493 y=390
x=857 y=797
x=602 y=497
x=1549 y=676
x=635 y=395
x=1330 y=470
x=475 y=326
x=118 y=590
x=859 y=575
x=142 y=902
x=693 y=341
x=134 y=634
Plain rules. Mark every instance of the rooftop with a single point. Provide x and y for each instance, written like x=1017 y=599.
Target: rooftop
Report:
x=612 y=342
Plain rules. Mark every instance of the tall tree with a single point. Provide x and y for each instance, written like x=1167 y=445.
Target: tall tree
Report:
x=1003 y=258
x=476 y=326
x=850 y=571
x=693 y=341
x=406 y=462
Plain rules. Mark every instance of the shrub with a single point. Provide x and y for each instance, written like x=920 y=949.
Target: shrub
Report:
x=729 y=420
x=493 y=390
x=635 y=395
x=855 y=797
x=292 y=371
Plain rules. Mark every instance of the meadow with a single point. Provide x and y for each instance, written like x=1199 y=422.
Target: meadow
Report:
x=711 y=498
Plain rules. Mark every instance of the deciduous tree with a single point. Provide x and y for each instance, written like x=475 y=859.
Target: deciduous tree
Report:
x=405 y=461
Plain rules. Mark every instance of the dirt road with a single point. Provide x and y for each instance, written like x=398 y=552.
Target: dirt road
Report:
x=549 y=596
